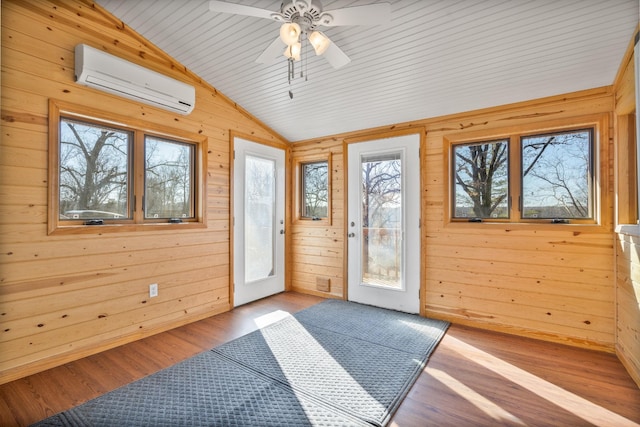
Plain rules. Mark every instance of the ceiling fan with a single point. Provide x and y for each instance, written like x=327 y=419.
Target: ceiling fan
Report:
x=300 y=20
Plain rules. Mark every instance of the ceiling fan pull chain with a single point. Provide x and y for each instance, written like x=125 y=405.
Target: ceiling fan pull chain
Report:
x=290 y=76
x=290 y=73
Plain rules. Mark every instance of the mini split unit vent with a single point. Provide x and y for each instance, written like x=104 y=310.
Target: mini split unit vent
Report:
x=109 y=73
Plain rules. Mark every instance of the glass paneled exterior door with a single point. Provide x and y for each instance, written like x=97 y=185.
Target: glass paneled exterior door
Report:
x=383 y=227
x=258 y=232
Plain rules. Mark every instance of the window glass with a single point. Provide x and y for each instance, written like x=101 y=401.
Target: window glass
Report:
x=556 y=175
x=480 y=173
x=315 y=189
x=168 y=180
x=105 y=171
x=94 y=180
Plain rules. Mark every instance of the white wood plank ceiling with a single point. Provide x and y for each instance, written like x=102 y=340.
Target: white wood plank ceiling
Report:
x=434 y=57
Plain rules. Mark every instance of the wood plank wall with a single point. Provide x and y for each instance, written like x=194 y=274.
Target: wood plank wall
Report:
x=627 y=283
x=539 y=281
x=64 y=297
x=317 y=248
x=628 y=302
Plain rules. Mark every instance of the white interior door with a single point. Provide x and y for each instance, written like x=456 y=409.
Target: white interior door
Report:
x=384 y=223
x=258 y=236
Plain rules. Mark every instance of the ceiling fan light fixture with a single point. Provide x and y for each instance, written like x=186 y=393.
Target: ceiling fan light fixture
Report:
x=293 y=51
x=319 y=41
x=289 y=33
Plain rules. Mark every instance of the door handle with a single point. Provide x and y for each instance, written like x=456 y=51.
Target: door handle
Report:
x=351 y=235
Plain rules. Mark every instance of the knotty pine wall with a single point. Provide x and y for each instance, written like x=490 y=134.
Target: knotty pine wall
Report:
x=543 y=281
x=627 y=242
x=627 y=290
x=66 y=296
x=317 y=248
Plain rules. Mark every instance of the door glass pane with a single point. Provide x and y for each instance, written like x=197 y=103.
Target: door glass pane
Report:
x=259 y=218
x=382 y=220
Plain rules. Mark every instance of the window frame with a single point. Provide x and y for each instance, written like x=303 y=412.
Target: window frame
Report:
x=627 y=165
x=299 y=190
x=453 y=180
x=599 y=173
x=128 y=216
x=590 y=169
x=59 y=110
x=635 y=212
x=193 y=176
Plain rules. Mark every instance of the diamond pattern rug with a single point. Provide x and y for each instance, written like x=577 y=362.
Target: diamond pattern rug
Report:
x=334 y=364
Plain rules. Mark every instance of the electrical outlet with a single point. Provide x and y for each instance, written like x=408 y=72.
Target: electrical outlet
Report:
x=153 y=290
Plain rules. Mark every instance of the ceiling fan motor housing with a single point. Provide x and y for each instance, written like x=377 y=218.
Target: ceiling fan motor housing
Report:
x=306 y=14
x=300 y=18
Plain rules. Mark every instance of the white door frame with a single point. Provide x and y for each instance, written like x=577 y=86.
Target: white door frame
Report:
x=408 y=298
x=243 y=292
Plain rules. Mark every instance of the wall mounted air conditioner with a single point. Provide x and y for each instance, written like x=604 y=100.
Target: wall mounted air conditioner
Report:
x=109 y=73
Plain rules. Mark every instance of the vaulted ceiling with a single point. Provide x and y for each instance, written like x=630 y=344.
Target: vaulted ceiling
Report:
x=433 y=57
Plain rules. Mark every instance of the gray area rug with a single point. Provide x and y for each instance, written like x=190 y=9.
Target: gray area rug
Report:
x=334 y=364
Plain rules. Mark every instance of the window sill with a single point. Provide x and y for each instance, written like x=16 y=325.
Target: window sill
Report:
x=123 y=228
x=524 y=226
x=629 y=229
x=308 y=221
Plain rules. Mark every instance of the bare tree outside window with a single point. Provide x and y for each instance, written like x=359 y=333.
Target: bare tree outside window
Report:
x=168 y=179
x=93 y=171
x=556 y=176
x=382 y=219
x=108 y=171
x=315 y=189
x=481 y=180
x=556 y=171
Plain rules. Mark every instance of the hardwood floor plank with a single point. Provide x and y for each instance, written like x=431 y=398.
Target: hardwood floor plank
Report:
x=473 y=378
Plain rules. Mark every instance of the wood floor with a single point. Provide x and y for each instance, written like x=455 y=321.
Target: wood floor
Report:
x=474 y=377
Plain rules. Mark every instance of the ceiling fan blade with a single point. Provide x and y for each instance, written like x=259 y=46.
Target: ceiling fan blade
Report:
x=273 y=51
x=238 y=9
x=372 y=14
x=335 y=56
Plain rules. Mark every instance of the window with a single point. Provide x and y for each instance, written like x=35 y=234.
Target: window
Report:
x=481 y=180
x=315 y=195
x=106 y=172
x=95 y=182
x=528 y=177
x=314 y=189
x=169 y=171
x=557 y=175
